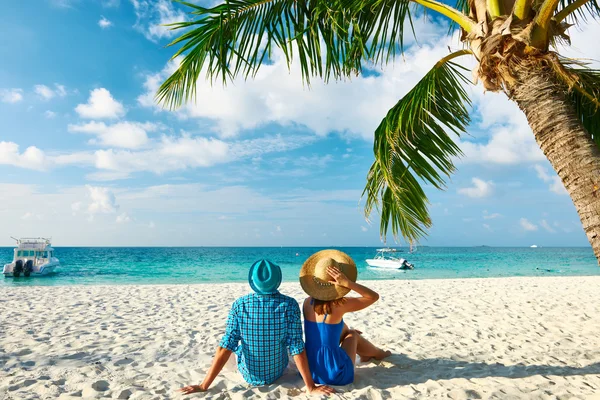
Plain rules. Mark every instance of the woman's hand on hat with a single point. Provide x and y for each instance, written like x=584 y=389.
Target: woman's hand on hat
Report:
x=338 y=276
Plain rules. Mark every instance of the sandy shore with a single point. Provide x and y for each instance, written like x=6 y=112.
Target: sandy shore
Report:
x=479 y=338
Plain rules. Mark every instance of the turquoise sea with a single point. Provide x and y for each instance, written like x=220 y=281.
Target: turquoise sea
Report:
x=184 y=265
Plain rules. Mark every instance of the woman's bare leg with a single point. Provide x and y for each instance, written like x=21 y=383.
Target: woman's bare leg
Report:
x=365 y=349
x=345 y=331
x=349 y=344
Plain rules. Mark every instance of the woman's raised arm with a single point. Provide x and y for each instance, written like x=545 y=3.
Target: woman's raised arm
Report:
x=353 y=303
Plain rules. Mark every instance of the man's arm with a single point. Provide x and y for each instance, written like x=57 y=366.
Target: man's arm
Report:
x=221 y=357
x=302 y=364
x=228 y=345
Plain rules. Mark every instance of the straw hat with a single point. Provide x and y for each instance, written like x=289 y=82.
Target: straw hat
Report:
x=314 y=278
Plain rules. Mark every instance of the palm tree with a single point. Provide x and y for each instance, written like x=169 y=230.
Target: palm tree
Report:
x=514 y=43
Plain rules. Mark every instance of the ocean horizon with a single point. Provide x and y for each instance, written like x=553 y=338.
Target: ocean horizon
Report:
x=208 y=264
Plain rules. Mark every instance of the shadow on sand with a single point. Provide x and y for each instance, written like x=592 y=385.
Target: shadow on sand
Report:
x=407 y=371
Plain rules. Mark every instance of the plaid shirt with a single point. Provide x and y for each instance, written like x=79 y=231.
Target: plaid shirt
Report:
x=267 y=327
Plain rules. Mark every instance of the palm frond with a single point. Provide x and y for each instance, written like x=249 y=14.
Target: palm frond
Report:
x=462 y=6
x=584 y=94
x=381 y=23
x=578 y=10
x=412 y=145
x=329 y=38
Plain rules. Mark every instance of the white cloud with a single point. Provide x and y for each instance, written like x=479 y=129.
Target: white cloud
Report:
x=364 y=228
x=104 y=23
x=64 y=3
x=278 y=95
x=47 y=93
x=556 y=185
x=480 y=189
x=49 y=114
x=487 y=227
x=503 y=136
x=100 y=105
x=542 y=173
x=491 y=216
x=31 y=158
x=544 y=224
x=11 y=95
x=129 y=135
x=177 y=152
x=315 y=161
x=102 y=201
x=60 y=90
x=123 y=218
x=173 y=153
x=153 y=14
x=527 y=226
x=111 y=3
x=31 y=215
x=182 y=214
x=44 y=91
x=75 y=207
x=584 y=43
x=507 y=145
x=151 y=225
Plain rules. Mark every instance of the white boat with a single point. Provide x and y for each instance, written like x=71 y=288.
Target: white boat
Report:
x=32 y=256
x=533 y=246
x=385 y=260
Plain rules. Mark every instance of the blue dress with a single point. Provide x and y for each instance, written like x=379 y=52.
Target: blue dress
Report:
x=328 y=362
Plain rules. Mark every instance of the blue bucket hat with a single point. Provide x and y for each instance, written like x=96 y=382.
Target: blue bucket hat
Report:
x=264 y=277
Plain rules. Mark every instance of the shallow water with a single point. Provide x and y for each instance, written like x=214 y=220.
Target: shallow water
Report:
x=183 y=265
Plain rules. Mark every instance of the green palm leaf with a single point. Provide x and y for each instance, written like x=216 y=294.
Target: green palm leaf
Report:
x=585 y=96
x=412 y=145
x=462 y=6
x=580 y=10
x=329 y=38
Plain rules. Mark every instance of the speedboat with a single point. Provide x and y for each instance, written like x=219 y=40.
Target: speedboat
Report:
x=32 y=256
x=386 y=260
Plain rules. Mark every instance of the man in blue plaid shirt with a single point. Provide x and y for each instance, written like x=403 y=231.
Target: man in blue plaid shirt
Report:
x=261 y=328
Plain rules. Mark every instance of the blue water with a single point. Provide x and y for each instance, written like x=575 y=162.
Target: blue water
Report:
x=159 y=265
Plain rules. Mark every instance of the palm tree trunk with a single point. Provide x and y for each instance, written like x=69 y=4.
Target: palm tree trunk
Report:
x=565 y=142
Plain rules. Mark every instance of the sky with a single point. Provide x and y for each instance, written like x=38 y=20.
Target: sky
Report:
x=88 y=158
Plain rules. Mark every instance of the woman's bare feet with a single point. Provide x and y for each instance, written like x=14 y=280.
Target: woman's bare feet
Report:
x=382 y=354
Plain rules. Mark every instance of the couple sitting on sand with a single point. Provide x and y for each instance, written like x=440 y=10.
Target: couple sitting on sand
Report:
x=263 y=326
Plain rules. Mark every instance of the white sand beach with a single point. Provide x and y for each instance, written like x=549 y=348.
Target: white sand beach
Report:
x=506 y=338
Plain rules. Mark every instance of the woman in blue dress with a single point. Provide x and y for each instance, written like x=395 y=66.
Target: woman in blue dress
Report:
x=331 y=347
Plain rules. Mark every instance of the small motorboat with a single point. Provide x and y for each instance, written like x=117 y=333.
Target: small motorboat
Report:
x=385 y=260
x=32 y=256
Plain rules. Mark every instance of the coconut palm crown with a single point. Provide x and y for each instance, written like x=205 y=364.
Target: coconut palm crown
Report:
x=514 y=43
